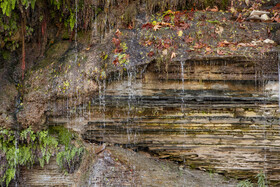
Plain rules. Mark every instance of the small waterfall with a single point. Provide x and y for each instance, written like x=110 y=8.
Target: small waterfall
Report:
x=129 y=101
x=102 y=99
x=16 y=134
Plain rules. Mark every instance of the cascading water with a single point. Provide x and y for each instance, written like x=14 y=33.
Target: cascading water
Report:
x=130 y=94
x=279 y=81
x=183 y=86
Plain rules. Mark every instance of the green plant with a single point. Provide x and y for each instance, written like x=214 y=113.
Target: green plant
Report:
x=261 y=179
x=27 y=147
x=69 y=156
x=245 y=183
x=24 y=149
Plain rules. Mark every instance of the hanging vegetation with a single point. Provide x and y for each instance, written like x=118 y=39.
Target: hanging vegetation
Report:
x=27 y=147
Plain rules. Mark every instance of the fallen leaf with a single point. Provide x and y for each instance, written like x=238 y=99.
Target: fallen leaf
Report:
x=242 y=26
x=167 y=18
x=116 y=61
x=184 y=25
x=116 y=41
x=247 y=2
x=126 y=56
x=233 y=10
x=219 y=30
x=118 y=33
x=215 y=9
x=180 y=33
x=239 y=18
x=156 y=27
x=188 y=39
x=151 y=53
x=232 y=48
x=118 y=50
x=148 y=43
x=208 y=49
x=148 y=26
x=225 y=43
x=277 y=19
x=198 y=46
x=173 y=55
x=130 y=27
x=276 y=7
x=220 y=52
x=164 y=52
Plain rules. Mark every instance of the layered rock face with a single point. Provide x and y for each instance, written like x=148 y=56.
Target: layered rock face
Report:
x=209 y=98
x=220 y=115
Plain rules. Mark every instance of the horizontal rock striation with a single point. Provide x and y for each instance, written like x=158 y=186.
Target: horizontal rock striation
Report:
x=209 y=114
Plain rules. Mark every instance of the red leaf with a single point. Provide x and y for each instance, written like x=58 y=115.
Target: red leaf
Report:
x=118 y=50
x=151 y=53
x=116 y=41
x=190 y=15
x=166 y=18
x=116 y=61
x=277 y=7
x=130 y=27
x=148 y=26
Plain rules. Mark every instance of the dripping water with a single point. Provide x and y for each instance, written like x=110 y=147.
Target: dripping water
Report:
x=183 y=87
x=76 y=30
x=129 y=83
x=279 y=81
x=183 y=94
x=17 y=128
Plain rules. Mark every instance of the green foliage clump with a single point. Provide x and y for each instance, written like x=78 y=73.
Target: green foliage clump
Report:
x=69 y=157
x=261 y=181
x=245 y=183
x=24 y=149
x=28 y=147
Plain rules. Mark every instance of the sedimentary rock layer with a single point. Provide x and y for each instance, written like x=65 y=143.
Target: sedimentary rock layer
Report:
x=200 y=113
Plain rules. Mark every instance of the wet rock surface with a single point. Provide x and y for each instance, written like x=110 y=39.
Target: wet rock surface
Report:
x=206 y=117
x=50 y=175
x=8 y=94
x=69 y=73
x=115 y=166
x=208 y=97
